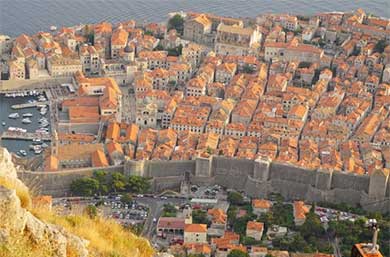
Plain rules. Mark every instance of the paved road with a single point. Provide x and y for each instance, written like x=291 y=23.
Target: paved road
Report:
x=156 y=206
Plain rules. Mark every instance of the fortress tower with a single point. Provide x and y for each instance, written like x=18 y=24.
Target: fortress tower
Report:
x=378 y=184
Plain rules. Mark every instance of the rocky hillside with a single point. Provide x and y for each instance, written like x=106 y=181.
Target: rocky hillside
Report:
x=25 y=231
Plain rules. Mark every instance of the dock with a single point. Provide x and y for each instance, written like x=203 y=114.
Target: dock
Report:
x=29 y=105
x=25 y=136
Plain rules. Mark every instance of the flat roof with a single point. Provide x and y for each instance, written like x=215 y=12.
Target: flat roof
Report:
x=202 y=200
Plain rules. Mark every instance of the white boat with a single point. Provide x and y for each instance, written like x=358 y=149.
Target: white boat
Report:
x=22 y=130
x=25 y=115
x=14 y=115
x=53 y=28
x=3 y=123
x=44 y=145
x=23 y=152
x=38 y=150
x=26 y=121
x=37 y=141
x=44 y=124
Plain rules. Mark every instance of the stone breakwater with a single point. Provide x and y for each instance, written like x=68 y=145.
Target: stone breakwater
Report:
x=257 y=178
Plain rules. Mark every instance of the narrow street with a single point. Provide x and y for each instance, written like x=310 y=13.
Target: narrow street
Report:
x=128 y=106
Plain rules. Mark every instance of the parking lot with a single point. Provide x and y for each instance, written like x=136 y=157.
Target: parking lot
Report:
x=126 y=214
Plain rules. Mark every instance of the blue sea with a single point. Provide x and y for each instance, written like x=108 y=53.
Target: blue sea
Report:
x=30 y=16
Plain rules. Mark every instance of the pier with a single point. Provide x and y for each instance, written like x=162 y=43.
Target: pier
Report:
x=25 y=136
x=29 y=105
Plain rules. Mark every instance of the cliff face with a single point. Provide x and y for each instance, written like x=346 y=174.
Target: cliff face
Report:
x=31 y=232
x=18 y=222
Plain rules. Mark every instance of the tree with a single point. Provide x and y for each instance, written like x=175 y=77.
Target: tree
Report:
x=91 y=211
x=267 y=219
x=172 y=84
x=89 y=33
x=380 y=46
x=312 y=226
x=84 y=186
x=101 y=177
x=118 y=182
x=175 y=51
x=148 y=33
x=169 y=210
x=137 y=184
x=282 y=214
x=239 y=225
x=248 y=69
x=127 y=199
x=237 y=253
x=177 y=23
x=235 y=198
x=245 y=240
x=199 y=217
x=159 y=47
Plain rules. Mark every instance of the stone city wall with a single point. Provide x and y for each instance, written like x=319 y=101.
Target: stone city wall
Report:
x=58 y=183
x=257 y=178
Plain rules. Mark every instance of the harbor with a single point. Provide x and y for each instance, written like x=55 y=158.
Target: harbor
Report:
x=25 y=122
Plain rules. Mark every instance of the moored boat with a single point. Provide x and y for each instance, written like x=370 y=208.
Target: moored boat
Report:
x=26 y=115
x=14 y=115
x=26 y=121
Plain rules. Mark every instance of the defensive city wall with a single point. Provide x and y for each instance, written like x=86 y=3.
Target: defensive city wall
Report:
x=257 y=178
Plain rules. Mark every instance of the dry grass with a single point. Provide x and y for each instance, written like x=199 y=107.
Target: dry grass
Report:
x=21 y=191
x=18 y=246
x=106 y=237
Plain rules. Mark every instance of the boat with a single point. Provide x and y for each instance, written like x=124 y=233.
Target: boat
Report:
x=37 y=141
x=26 y=121
x=14 y=115
x=43 y=111
x=22 y=130
x=25 y=115
x=44 y=124
x=38 y=150
x=44 y=145
x=23 y=152
x=3 y=123
x=53 y=28
x=11 y=129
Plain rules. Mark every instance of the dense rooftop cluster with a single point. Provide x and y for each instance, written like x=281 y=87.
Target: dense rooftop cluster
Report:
x=311 y=91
